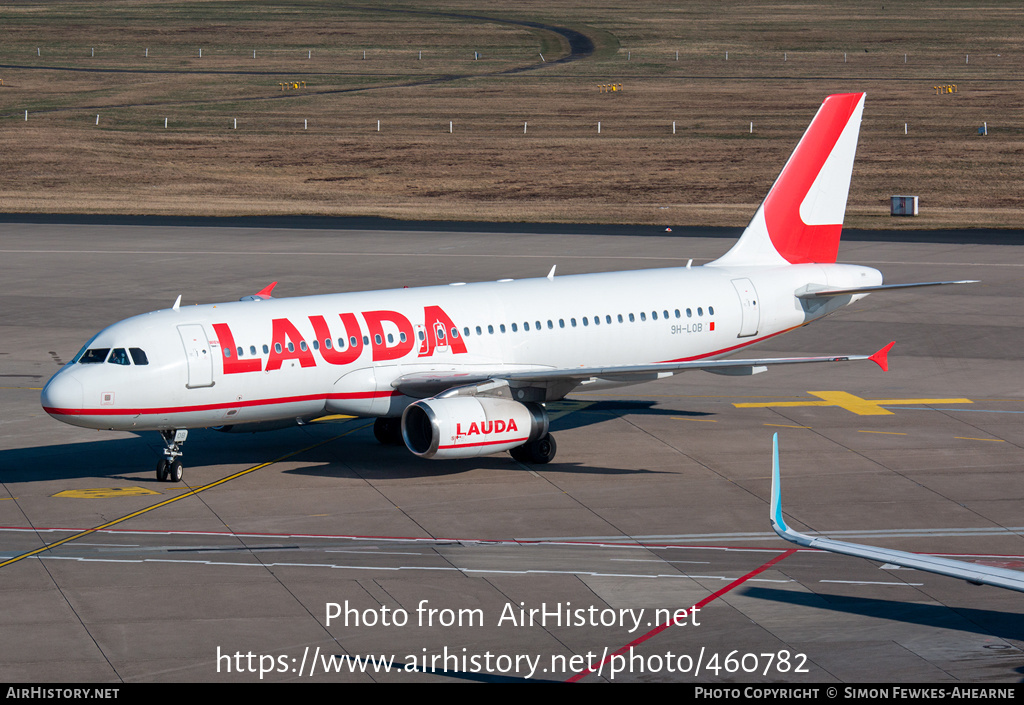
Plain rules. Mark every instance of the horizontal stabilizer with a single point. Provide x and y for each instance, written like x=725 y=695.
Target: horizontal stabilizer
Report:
x=971 y=572
x=810 y=293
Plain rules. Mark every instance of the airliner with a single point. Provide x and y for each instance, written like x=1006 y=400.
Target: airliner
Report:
x=465 y=369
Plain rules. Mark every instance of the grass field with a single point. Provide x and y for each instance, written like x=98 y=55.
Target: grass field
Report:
x=316 y=149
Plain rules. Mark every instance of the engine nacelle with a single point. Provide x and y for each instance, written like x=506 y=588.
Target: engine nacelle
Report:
x=470 y=426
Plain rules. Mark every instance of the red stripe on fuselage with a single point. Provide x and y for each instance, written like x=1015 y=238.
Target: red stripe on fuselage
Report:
x=215 y=407
x=730 y=349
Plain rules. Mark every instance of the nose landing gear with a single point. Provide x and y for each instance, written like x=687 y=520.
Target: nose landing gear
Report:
x=169 y=469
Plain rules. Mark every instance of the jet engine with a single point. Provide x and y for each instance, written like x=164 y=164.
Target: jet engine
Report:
x=470 y=426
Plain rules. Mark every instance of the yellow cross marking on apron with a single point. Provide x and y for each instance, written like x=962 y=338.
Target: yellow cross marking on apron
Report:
x=853 y=403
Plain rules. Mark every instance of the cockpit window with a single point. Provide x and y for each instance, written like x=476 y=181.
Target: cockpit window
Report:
x=138 y=356
x=94 y=355
x=119 y=357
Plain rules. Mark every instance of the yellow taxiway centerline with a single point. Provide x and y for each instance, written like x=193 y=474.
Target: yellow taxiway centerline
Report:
x=172 y=500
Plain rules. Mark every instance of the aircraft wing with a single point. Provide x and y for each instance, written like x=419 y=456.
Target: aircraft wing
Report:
x=971 y=572
x=424 y=384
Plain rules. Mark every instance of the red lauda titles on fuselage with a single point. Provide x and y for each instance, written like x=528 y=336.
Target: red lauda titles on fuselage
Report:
x=289 y=343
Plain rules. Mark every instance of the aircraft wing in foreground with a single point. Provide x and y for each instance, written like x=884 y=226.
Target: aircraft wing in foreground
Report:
x=971 y=572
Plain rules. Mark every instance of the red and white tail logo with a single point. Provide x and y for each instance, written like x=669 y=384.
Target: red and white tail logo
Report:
x=801 y=219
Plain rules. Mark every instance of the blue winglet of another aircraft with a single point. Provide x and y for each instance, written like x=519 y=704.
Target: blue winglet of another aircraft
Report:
x=971 y=572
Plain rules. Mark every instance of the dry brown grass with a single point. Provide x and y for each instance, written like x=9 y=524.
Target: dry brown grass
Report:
x=711 y=172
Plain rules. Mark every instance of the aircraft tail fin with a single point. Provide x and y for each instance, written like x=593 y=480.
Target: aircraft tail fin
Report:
x=801 y=218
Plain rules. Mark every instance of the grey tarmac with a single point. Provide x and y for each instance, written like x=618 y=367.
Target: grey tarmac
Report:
x=657 y=501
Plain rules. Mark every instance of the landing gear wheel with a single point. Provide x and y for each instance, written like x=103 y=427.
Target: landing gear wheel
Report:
x=538 y=452
x=544 y=449
x=169 y=467
x=388 y=431
x=174 y=471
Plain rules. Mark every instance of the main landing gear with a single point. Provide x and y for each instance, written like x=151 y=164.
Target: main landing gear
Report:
x=169 y=468
x=536 y=452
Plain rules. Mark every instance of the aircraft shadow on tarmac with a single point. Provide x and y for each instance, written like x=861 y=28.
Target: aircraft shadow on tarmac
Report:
x=601 y=411
x=355 y=455
x=1005 y=625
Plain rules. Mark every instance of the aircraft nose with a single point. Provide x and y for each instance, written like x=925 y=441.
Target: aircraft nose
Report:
x=62 y=395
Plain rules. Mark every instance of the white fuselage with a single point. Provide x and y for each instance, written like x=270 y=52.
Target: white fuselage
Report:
x=297 y=358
